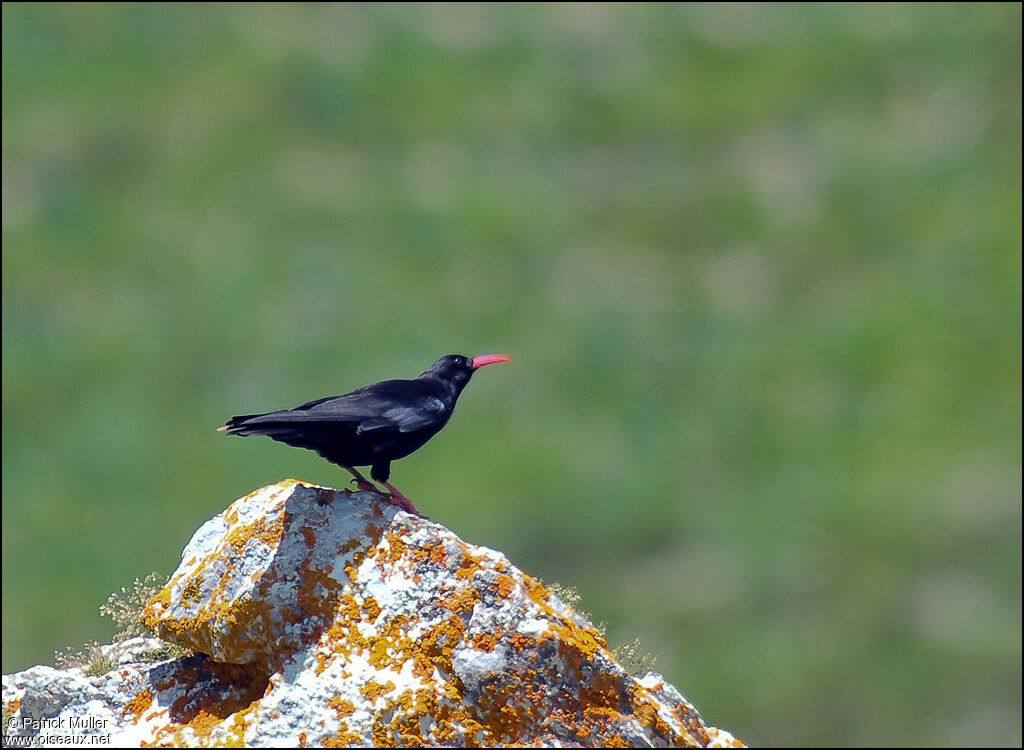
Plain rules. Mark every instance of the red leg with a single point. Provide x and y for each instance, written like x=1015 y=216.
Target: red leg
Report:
x=397 y=498
x=361 y=482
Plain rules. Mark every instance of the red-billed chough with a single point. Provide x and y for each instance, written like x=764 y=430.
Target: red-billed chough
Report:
x=374 y=425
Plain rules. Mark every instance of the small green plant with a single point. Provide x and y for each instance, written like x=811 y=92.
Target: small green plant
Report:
x=567 y=594
x=571 y=597
x=125 y=609
x=634 y=657
x=90 y=658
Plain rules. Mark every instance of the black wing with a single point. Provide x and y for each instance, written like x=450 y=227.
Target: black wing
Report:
x=391 y=406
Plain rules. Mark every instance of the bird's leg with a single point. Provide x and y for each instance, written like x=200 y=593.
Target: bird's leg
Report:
x=397 y=498
x=361 y=482
x=380 y=472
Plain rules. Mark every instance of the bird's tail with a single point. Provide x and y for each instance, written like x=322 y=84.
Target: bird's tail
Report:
x=253 y=424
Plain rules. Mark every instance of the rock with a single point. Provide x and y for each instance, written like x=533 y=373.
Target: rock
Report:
x=323 y=617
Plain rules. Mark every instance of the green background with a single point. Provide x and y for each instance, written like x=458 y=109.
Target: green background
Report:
x=759 y=268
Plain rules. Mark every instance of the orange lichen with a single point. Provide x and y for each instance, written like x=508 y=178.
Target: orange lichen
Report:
x=521 y=642
x=395 y=550
x=645 y=710
x=600 y=696
x=616 y=740
x=343 y=707
x=203 y=724
x=438 y=641
x=422 y=667
x=461 y=601
x=372 y=690
x=505 y=585
x=484 y=642
x=322 y=660
x=343 y=738
x=405 y=727
x=575 y=643
x=138 y=704
x=191 y=592
x=392 y=647
x=468 y=566
x=436 y=554
x=537 y=592
x=498 y=711
x=156 y=606
x=238 y=535
x=317 y=593
x=371 y=607
x=236 y=732
x=309 y=536
x=343 y=635
x=234 y=626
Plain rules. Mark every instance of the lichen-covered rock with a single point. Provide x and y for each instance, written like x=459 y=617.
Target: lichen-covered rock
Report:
x=262 y=579
x=183 y=702
x=329 y=618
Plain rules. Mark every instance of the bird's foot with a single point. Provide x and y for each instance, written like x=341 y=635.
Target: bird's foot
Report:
x=397 y=498
x=361 y=482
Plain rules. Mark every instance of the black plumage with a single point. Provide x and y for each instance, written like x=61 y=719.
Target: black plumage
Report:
x=374 y=425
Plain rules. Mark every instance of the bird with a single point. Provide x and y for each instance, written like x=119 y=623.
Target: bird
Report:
x=373 y=425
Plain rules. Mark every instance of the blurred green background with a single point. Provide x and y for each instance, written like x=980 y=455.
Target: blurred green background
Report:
x=759 y=269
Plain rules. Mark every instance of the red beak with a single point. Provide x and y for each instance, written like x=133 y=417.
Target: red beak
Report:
x=489 y=359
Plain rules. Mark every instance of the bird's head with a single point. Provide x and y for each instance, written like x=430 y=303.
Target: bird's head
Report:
x=457 y=369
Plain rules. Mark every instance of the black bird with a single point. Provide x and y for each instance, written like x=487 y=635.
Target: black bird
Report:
x=374 y=425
